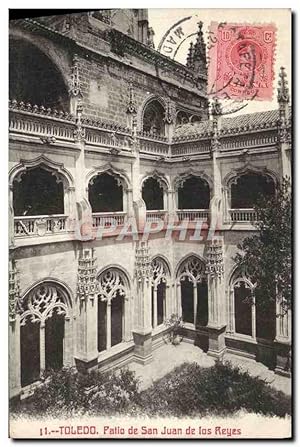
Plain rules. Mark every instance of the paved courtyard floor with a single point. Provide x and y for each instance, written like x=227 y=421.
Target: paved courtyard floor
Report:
x=167 y=357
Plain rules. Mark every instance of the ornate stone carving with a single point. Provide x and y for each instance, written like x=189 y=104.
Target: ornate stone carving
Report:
x=192 y=269
x=87 y=285
x=143 y=268
x=215 y=260
x=216 y=108
x=112 y=282
x=74 y=83
x=170 y=113
x=283 y=91
x=13 y=293
x=131 y=107
x=79 y=132
x=159 y=271
x=159 y=176
x=41 y=301
x=48 y=140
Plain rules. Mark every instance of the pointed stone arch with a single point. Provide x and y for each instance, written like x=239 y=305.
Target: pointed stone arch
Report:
x=119 y=174
x=114 y=321
x=152 y=101
x=57 y=170
x=232 y=176
x=192 y=290
x=46 y=333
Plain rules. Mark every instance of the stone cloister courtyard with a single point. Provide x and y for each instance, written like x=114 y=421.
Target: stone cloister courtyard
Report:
x=167 y=357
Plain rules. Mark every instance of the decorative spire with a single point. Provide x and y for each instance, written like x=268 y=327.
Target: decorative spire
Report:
x=199 y=47
x=190 y=57
x=131 y=107
x=74 y=83
x=143 y=268
x=79 y=132
x=87 y=285
x=199 y=52
x=283 y=91
x=13 y=292
x=215 y=261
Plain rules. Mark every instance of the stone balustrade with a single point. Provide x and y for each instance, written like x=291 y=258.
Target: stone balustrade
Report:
x=27 y=226
x=155 y=216
x=243 y=215
x=193 y=215
x=108 y=219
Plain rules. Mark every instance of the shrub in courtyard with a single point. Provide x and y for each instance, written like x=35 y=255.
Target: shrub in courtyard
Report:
x=68 y=392
x=220 y=390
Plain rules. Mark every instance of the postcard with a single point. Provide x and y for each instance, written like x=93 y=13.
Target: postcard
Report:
x=150 y=256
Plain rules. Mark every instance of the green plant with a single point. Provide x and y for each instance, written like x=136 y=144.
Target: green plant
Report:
x=175 y=325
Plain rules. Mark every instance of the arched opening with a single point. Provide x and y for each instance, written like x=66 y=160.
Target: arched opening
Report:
x=247 y=189
x=153 y=119
x=54 y=341
x=243 y=309
x=153 y=194
x=187 y=301
x=30 y=352
x=34 y=78
x=194 y=193
x=105 y=194
x=111 y=308
x=159 y=291
x=117 y=319
x=38 y=192
x=43 y=327
x=182 y=118
x=193 y=291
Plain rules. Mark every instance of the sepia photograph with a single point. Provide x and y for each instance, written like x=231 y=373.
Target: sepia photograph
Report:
x=150 y=224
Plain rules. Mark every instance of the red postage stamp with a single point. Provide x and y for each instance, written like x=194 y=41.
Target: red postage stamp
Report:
x=241 y=58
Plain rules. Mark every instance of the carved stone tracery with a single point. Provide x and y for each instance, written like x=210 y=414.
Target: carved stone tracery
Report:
x=112 y=282
x=159 y=271
x=192 y=269
x=41 y=302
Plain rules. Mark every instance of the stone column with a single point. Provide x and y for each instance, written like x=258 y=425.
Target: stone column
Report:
x=283 y=340
x=195 y=302
x=216 y=202
x=178 y=299
x=42 y=348
x=154 y=310
x=142 y=333
x=87 y=321
x=216 y=298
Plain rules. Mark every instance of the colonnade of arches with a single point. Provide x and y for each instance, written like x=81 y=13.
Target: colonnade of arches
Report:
x=47 y=312
x=41 y=190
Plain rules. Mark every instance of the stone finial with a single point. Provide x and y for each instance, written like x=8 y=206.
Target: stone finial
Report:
x=282 y=91
x=216 y=108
